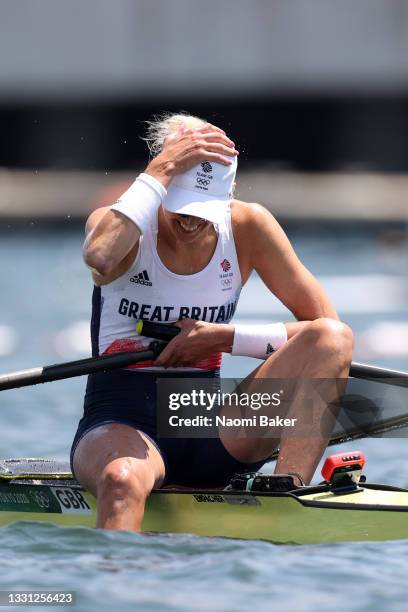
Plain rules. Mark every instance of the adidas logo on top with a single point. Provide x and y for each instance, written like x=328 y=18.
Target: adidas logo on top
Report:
x=141 y=279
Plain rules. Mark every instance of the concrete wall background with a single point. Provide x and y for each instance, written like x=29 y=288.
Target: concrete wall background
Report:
x=58 y=49
x=65 y=196
x=304 y=86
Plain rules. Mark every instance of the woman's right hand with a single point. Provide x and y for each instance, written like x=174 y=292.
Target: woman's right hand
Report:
x=188 y=147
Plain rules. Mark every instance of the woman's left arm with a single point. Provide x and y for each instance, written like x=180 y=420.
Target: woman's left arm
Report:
x=276 y=262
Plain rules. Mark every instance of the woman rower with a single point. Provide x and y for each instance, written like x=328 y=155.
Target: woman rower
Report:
x=177 y=247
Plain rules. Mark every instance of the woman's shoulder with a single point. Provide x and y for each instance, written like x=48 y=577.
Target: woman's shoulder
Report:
x=247 y=220
x=249 y=214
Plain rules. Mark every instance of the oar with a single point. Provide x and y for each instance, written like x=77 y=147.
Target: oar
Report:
x=165 y=333
x=377 y=429
x=70 y=369
x=369 y=372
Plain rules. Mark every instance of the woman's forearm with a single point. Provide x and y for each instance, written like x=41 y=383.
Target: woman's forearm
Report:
x=109 y=242
x=119 y=229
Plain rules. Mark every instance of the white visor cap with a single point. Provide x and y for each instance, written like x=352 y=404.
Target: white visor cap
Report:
x=203 y=191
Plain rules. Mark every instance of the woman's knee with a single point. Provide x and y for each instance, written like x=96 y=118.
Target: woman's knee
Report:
x=117 y=457
x=125 y=478
x=332 y=338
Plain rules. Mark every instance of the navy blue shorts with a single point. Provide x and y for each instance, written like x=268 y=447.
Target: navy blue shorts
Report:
x=128 y=397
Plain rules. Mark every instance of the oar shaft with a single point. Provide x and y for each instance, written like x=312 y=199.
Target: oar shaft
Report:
x=369 y=372
x=70 y=369
x=35 y=376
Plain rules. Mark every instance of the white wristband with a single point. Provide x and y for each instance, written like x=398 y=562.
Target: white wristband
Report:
x=141 y=200
x=258 y=340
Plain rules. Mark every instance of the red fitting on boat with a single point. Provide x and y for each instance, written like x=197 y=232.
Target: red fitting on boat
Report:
x=342 y=463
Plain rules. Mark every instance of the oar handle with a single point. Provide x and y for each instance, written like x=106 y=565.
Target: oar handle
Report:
x=159 y=331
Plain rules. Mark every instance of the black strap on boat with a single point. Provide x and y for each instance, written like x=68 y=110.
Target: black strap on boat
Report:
x=298 y=476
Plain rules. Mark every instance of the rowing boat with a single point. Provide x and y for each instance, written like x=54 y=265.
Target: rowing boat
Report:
x=342 y=508
x=44 y=490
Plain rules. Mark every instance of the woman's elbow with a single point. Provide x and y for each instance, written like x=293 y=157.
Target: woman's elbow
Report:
x=98 y=262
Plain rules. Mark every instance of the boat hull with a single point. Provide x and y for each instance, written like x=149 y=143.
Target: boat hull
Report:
x=281 y=519
x=318 y=516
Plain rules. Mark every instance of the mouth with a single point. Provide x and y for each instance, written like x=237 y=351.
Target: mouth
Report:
x=191 y=228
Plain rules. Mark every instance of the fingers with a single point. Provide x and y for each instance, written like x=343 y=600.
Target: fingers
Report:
x=219 y=153
x=210 y=127
x=216 y=135
x=169 y=355
x=168 y=359
x=175 y=354
x=212 y=138
x=189 y=146
x=215 y=145
x=200 y=136
x=164 y=358
x=206 y=132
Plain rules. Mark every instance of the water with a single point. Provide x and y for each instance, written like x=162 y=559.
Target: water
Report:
x=46 y=291
x=184 y=572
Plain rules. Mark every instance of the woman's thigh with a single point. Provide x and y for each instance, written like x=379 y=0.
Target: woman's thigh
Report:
x=117 y=443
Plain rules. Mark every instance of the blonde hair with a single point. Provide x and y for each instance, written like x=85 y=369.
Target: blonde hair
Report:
x=164 y=124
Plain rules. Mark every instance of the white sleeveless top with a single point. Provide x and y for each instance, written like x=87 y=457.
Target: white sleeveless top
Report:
x=150 y=291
